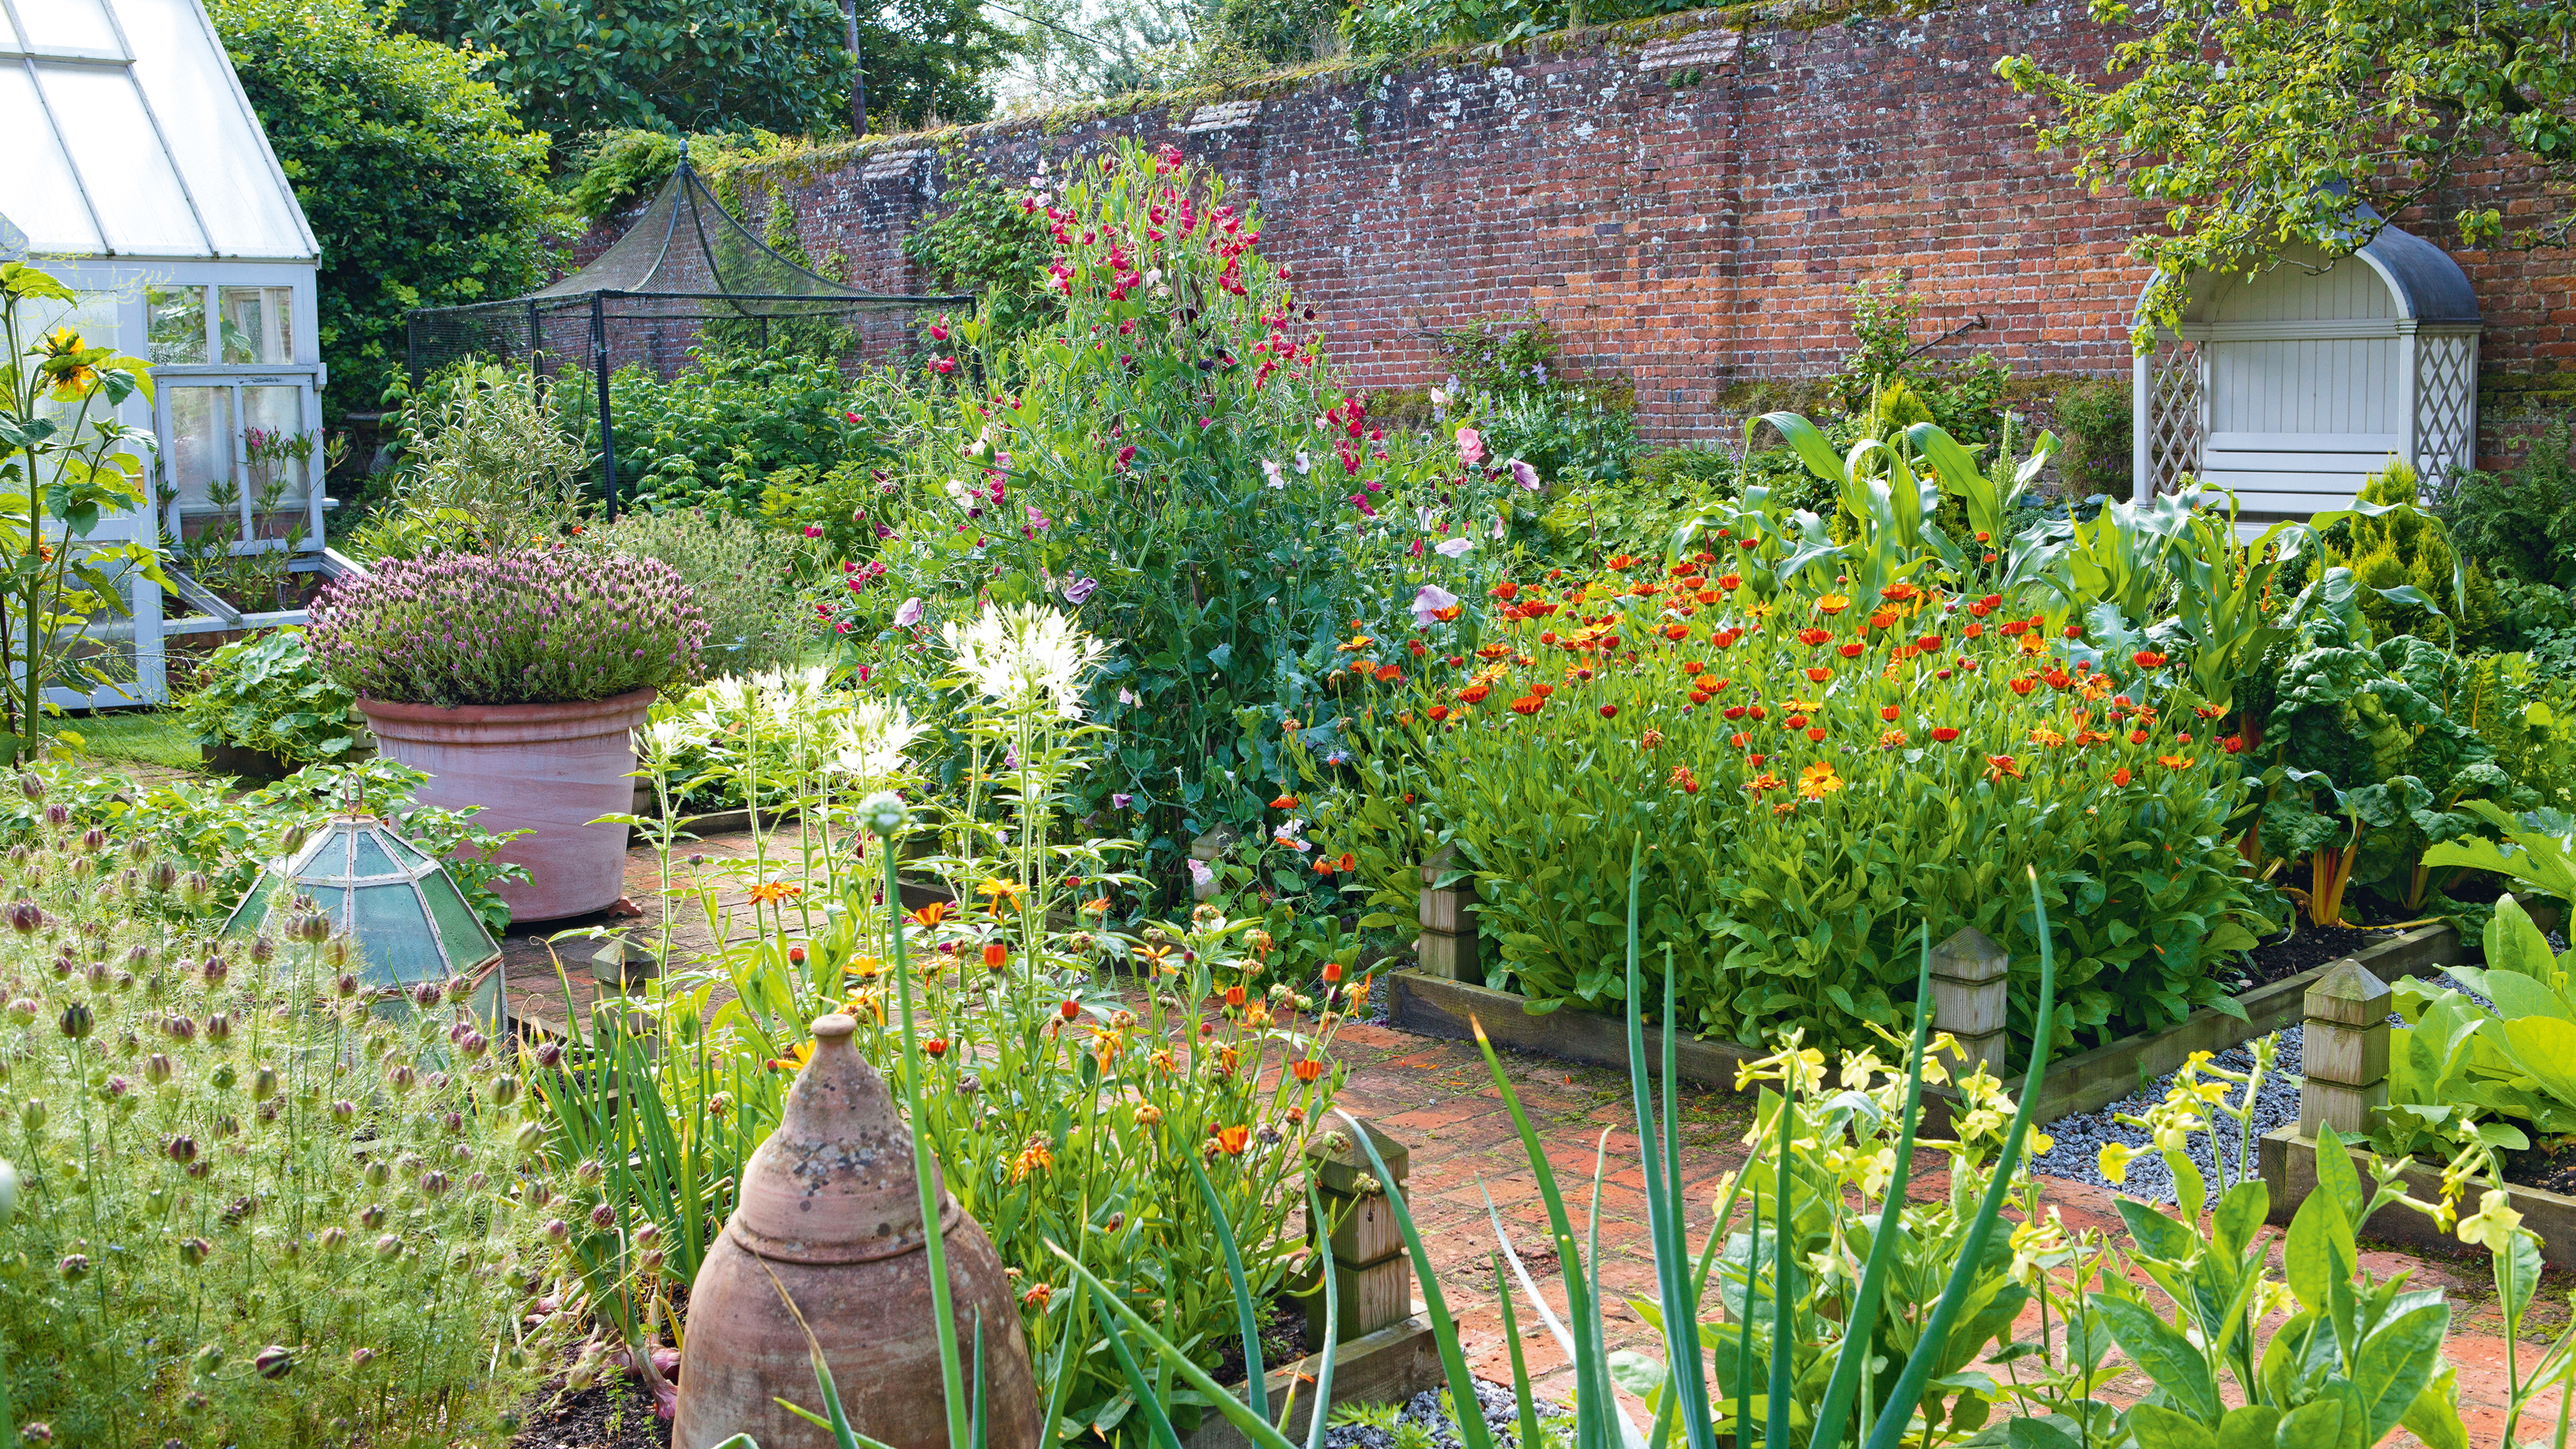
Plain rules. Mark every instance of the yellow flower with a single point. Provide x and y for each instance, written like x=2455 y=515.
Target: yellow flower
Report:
x=1818 y=780
x=2113 y=1163
x=865 y=968
x=2046 y=738
x=1832 y=604
x=2493 y=1225
x=998 y=889
x=770 y=891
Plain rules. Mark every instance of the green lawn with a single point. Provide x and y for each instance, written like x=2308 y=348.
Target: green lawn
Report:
x=148 y=736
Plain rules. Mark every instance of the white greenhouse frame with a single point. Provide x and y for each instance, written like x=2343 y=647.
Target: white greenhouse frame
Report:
x=2290 y=387
x=137 y=173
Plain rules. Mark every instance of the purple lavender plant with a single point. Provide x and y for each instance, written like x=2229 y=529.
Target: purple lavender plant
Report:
x=532 y=627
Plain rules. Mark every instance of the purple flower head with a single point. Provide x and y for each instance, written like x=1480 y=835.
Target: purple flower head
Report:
x=1077 y=590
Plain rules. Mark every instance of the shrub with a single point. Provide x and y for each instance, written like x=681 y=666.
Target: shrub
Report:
x=2408 y=548
x=421 y=186
x=264 y=692
x=513 y=628
x=1178 y=465
x=2520 y=524
x=2092 y=415
x=737 y=574
x=985 y=242
x=250 y=1209
x=1574 y=432
x=711 y=436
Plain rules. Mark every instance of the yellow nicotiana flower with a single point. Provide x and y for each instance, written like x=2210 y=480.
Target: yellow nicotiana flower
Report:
x=2113 y=1163
x=2494 y=1225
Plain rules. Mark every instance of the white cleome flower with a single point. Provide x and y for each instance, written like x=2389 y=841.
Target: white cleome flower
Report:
x=1018 y=651
x=868 y=742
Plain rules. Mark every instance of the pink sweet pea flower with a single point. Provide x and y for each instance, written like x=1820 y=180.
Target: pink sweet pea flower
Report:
x=909 y=613
x=1452 y=547
x=1523 y=474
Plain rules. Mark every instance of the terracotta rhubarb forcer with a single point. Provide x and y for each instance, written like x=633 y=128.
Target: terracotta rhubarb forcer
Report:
x=830 y=1217
x=547 y=769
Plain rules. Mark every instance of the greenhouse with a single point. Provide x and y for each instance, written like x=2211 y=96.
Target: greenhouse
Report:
x=138 y=174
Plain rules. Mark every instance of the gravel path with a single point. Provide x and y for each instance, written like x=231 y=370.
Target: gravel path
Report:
x=1424 y=1424
x=2079 y=1138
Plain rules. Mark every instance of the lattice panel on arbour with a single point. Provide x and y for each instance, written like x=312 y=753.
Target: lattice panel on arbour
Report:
x=2173 y=413
x=2446 y=391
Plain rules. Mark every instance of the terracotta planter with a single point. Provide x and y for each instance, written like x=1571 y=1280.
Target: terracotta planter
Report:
x=830 y=1220
x=548 y=769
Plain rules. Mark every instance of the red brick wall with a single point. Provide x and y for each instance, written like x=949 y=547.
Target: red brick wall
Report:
x=1689 y=208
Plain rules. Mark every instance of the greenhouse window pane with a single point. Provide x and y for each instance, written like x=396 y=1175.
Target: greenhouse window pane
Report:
x=42 y=196
x=200 y=446
x=67 y=25
x=217 y=146
x=395 y=935
x=468 y=944
x=123 y=169
x=272 y=429
x=252 y=915
x=178 y=325
x=372 y=859
x=258 y=325
x=403 y=851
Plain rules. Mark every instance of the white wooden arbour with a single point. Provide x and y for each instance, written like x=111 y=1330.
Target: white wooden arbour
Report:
x=2290 y=387
x=134 y=170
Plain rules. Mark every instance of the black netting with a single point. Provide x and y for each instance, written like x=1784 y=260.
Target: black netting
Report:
x=686 y=275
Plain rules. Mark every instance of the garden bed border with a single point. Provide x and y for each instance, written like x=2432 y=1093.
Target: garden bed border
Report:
x=2289 y=1166
x=1388 y=1366
x=2085 y=1082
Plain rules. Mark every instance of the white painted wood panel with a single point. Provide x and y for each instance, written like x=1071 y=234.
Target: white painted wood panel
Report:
x=2304 y=386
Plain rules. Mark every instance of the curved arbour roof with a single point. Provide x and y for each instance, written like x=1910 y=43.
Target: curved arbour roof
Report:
x=2426 y=285
x=127 y=135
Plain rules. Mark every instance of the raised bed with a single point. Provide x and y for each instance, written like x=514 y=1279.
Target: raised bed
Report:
x=1386 y=1367
x=2289 y=1163
x=2085 y=1082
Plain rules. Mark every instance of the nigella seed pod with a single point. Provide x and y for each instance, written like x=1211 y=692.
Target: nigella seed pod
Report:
x=181 y=1028
x=156 y=1068
x=549 y=1054
x=182 y=1150
x=25 y=916
x=118 y=1088
x=216 y=970
x=161 y=877
x=453 y=1122
x=32 y=1115
x=58 y=815
x=274 y=1362
x=74 y=1267
x=646 y=1235
x=433 y=1185
x=458 y=988
x=219 y=1026
x=334 y=1239
x=262 y=949
x=95 y=973
x=77 y=1020
x=346 y=986
x=361 y=1357
x=377 y=1175
x=193 y=1251
x=603 y=1217
x=92 y=840
x=538 y=1193
x=588 y=1172
x=31 y=785
x=372 y=1216
x=401 y=1076
x=651 y=1261
x=505 y=1090
x=263 y=1084
x=23 y=1010
x=336 y=952
x=474 y=1045
x=425 y=995
x=476 y=1182
x=343 y=1110
x=528 y=1139
x=558 y=1231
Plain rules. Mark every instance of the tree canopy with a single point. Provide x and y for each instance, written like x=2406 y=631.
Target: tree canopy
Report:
x=2260 y=124
x=422 y=188
x=680 y=66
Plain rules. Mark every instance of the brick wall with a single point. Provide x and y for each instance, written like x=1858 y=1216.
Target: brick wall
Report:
x=1688 y=205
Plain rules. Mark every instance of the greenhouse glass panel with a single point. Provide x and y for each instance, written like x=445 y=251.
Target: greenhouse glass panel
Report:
x=176 y=325
x=395 y=937
x=278 y=411
x=463 y=931
x=214 y=140
x=124 y=170
x=44 y=198
x=258 y=326
x=7 y=35
x=69 y=25
x=402 y=849
x=200 y=441
x=253 y=911
x=372 y=859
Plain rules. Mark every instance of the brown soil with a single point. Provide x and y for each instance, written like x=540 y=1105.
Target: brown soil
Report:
x=2310 y=947
x=615 y=1413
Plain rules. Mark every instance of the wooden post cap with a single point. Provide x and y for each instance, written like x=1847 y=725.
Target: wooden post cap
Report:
x=1340 y=1165
x=2348 y=995
x=1969 y=956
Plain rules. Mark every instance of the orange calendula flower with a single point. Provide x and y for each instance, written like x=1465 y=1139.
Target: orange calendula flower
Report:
x=2023 y=685
x=1097 y=905
x=2174 y=762
x=1764 y=782
x=1232 y=1140
x=1819 y=674
x=2033 y=644
x=1813 y=637
x=1818 y=781
x=1890 y=739
x=1999 y=766
x=1883 y=619
x=1388 y=674
x=1832 y=604
x=1356 y=643
x=1944 y=733
x=1307 y=1069
x=2046 y=738
x=930 y=915
x=769 y=892
x=1284 y=802
x=865 y=968
x=1527 y=704
x=2120 y=776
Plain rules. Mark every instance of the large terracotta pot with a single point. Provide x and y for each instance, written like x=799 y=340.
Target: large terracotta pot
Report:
x=548 y=769
x=830 y=1218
